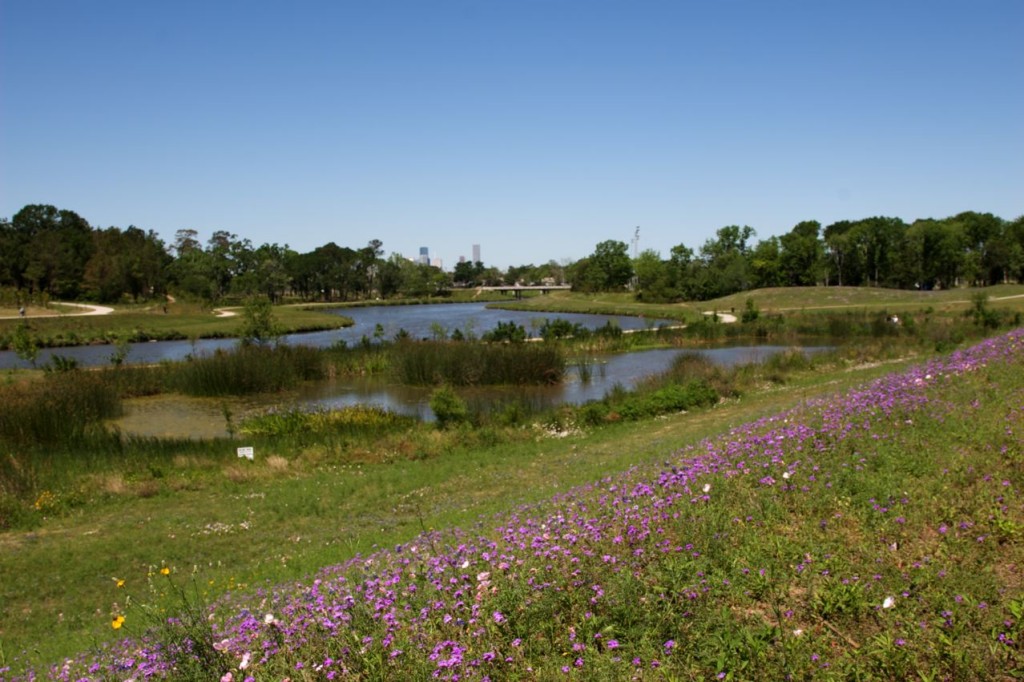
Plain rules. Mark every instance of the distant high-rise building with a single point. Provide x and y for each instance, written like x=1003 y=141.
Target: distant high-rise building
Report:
x=476 y=253
x=424 y=255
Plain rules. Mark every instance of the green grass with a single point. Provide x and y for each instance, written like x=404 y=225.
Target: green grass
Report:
x=299 y=506
x=839 y=298
x=148 y=323
x=783 y=299
x=119 y=509
x=603 y=304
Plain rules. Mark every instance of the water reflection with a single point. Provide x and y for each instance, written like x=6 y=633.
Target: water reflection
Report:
x=176 y=416
x=420 y=321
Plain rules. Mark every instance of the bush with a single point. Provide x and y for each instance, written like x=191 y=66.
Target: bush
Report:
x=449 y=409
x=561 y=329
x=506 y=332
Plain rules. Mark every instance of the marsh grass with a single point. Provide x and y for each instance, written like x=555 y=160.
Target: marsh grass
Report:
x=430 y=363
x=313 y=501
x=137 y=323
x=356 y=420
x=59 y=409
x=871 y=534
x=245 y=370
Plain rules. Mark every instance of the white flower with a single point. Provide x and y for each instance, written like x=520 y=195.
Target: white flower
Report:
x=245 y=661
x=797 y=632
x=465 y=564
x=706 y=488
x=268 y=619
x=786 y=474
x=888 y=603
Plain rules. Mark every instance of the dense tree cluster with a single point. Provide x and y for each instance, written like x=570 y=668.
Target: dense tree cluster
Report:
x=45 y=251
x=57 y=254
x=969 y=248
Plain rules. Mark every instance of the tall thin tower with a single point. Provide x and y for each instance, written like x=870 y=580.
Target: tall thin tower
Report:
x=476 y=253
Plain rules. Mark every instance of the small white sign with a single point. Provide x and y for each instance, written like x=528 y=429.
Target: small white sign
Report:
x=247 y=453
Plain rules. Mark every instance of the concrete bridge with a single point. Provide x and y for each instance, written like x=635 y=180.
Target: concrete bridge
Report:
x=519 y=289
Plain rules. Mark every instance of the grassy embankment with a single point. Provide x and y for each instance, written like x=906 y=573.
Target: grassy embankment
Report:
x=809 y=300
x=875 y=533
x=58 y=324
x=187 y=504
x=150 y=323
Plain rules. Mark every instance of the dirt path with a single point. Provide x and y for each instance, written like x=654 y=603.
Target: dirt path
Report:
x=86 y=310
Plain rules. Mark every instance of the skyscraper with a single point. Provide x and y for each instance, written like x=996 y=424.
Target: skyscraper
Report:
x=424 y=255
x=476 y=253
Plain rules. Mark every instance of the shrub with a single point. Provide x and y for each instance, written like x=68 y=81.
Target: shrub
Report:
x=448 y=407
x=506 y=332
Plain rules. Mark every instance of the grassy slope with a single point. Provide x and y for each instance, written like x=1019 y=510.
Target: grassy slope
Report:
x=778 y=299
x=893 y=552
x=839 y=298
x=286 y=516
x=182 y=321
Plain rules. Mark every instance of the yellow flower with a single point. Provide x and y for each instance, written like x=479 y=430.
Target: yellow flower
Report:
x=118 y=582
x=117 y=622
x=165 y=571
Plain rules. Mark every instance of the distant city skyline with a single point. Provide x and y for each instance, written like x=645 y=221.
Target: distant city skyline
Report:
x=540 y=128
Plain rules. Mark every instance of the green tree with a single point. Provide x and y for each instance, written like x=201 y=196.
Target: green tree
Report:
x=725 y=267
x=766 y=264
x=24 y=345
x=609 y=268
x=50 y=249
x=844 y=264
x=653 y=277
x=468 y=274
x=800 y=254
x=259 y=325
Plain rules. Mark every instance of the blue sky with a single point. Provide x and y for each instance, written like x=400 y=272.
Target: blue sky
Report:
x=535 y=128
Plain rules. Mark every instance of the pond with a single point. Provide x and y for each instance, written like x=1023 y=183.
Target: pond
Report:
x=420 y=321
x=182 y=417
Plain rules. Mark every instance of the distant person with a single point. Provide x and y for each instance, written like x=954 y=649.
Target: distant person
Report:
x=21 y=311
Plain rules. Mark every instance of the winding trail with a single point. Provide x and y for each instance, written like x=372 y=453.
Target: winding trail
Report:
x=86 y=310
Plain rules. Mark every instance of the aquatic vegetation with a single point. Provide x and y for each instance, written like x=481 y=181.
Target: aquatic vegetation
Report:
x=875 y=533
x=455 y=363
x=62 y=408
x=352 y=420
x=246 y=369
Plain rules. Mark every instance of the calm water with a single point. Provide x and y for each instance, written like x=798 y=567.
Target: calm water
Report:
x=203 y=418
x=415 y=319
x=179 y=416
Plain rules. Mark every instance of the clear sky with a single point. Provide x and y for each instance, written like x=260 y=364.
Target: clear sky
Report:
x=535 y=128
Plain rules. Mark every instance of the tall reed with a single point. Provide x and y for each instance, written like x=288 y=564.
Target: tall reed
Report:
x=431 y=363
x=248 y=369
x=59 y=409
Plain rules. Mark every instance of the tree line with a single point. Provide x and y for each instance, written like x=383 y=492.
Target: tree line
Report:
x=970 y=248
x=56 y=253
